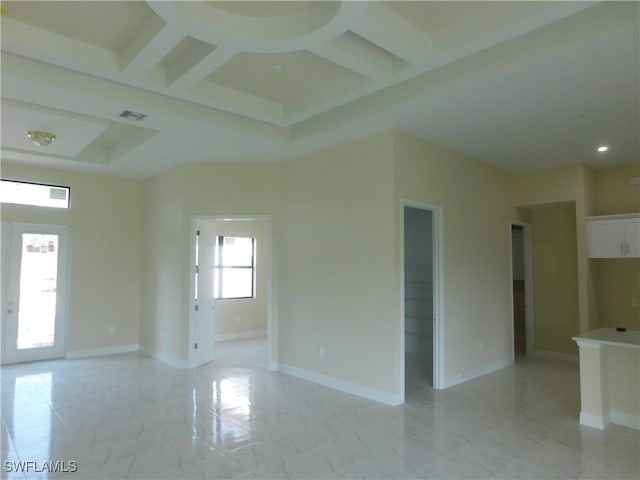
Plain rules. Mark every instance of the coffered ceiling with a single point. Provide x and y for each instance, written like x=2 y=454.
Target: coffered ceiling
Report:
x=522 y=85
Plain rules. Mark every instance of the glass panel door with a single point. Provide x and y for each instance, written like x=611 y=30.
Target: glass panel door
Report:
x=34 y=291
x=38 y=282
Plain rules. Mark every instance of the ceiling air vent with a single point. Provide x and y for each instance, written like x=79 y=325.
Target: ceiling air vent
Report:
x=128 y=114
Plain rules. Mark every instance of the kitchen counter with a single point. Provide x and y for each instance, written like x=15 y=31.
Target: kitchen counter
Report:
x=610 y=336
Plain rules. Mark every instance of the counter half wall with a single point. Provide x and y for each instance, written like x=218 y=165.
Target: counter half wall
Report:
x=609 y=378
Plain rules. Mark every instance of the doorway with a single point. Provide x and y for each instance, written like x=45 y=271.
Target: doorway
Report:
x=422 y=329
x=523 y=340
x=34 y=291
x=231 y=290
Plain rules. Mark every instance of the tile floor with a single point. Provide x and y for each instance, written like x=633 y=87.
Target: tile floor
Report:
x=130 y=416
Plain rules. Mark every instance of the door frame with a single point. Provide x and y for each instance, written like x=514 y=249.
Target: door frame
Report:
x=438 y=293
x=529 y=318
x=62 y=286
x=191 y=355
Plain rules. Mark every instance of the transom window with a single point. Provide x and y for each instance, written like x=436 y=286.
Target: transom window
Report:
x=234 y=267
x=36 y=194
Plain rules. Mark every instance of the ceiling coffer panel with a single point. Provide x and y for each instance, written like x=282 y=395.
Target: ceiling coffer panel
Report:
x=282 y=77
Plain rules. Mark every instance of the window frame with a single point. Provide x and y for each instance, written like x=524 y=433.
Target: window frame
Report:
x=49 y=185
x=219 y=267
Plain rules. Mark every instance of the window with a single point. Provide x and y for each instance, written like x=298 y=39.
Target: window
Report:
x=234 y=267
x=39 y=195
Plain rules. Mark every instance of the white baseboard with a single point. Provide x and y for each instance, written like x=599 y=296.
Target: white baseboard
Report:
x=625 y=419
x=96 y=352
x=565 y=357
x=272 y=366
x=342 y=385
x=476 y=372
x=595 y=421
x=613 y=416
x=164 y=358
x=225 y=337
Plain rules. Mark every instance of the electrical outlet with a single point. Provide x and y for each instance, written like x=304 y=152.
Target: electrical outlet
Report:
x=112 y=330
x=634 y=303
x=481 y=346
x=322 y=353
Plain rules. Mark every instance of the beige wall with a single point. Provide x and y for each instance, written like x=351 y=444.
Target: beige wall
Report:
x=623 y=380
x=475 y=198
x=618 y=280
x=574 y=184
x=238 y=189
x=543 y=187
x=614 y=193
x=555 y=278
x=172 y=201
x=164 y=259
x=618 y=284
x=248 y=314
x=336 y=269
x=605 y=286
x=337 y=284
x=106 y=240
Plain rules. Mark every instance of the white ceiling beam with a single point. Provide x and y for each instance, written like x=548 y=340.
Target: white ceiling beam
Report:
x=347 y=60
x=322 y=99
x=187 y=60
x=391 y=32
x=148 y=48
x=32 y=42
x=240 y=102
x=186 y=78
x=45 y=84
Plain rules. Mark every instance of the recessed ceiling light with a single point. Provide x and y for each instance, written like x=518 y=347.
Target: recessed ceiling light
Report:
x=603 y=148
x=278 y=67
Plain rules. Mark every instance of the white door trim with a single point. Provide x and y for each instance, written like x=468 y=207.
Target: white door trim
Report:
x=438 y=294
x=191 y=357
x=529 y=318
x=11 y=265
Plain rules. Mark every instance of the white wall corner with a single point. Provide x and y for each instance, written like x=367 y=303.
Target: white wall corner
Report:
x=164 y=358
x=342 y=385
x=467 y=375
x=595 y=421
x=97 y=352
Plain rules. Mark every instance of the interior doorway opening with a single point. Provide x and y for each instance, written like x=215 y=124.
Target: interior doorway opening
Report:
x=518 y=284
x=230 y=322
x=522 y=290
x=420 y=337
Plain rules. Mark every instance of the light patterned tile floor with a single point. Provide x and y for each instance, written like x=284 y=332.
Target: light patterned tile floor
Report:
x=130 y=416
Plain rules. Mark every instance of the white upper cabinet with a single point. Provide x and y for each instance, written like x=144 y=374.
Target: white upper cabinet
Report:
x=614 y=236
x=632 y=236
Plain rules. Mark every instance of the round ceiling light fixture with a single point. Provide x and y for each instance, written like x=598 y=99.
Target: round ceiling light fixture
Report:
x=41 y=139
x=603 y=148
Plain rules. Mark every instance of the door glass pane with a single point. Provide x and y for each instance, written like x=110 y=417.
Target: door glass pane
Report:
x=38 y=285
